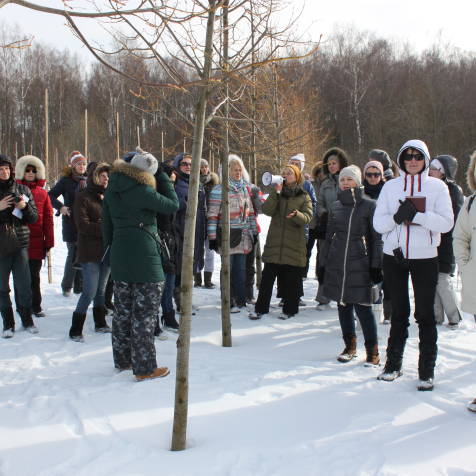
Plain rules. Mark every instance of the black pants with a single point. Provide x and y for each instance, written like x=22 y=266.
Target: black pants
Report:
x=35 y=267
x=291 y=280
x=250 y=273
x=424 y=275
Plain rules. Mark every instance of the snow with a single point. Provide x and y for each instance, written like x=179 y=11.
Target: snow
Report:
x=276 y=403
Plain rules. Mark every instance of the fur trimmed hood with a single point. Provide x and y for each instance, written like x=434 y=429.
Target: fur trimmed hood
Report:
x=471 y=173
x=316 y=168
x=341 y=155
x=214 y=179
x=22 y=163
x=138 y=175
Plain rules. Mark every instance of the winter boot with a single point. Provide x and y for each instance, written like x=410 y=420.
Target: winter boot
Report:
x=76 y=331
x=157 y=373
x=387 y=311
x=393 y=365
x=100 y=324
x=169 y=321
x=350 y=351
x=197 y=280
x=8 y=322
x=27 y=320
x=373 y=358
x=208 y=280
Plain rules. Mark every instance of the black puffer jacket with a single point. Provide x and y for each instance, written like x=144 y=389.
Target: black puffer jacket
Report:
x=351 y=248
x=446 y=257
x=67 y=186
x=30 y=213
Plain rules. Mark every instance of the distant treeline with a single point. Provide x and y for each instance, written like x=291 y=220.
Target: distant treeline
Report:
x=357 y=92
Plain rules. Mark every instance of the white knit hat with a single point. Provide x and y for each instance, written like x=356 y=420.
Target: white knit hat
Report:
x=145 y=161
x=353 y=172
x=301 y=159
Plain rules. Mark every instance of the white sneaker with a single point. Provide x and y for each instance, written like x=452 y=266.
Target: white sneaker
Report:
x=425 y=385
x=285 y=316
x=234 y=309
x=32 y=329
x=254 y=316
x=8 y=333
x=323 y=307
x=390 y=376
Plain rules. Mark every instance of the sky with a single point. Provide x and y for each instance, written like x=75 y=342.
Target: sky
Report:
x=421 y=23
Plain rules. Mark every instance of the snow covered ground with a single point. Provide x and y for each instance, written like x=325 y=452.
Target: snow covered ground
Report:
x=276 y=403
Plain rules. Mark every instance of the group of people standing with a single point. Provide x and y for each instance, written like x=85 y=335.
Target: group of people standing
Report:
x=373 y=229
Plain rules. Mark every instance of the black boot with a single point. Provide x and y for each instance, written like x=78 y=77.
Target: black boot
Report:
x=76 y=331
x=373 y=358
x=197 y=280
x=27 y=320
x=8 y=322
x=100 y=324
x=208 y=280
x=168 y=320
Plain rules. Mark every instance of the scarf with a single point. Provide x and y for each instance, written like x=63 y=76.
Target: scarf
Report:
x=80 y=180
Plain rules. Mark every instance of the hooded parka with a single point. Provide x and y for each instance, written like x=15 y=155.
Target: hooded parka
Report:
x=130 y=208
x=351 y=248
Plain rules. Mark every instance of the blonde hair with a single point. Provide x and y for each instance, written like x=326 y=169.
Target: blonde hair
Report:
x=234 y=159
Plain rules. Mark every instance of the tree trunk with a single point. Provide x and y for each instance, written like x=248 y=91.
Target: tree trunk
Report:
x=179 y=435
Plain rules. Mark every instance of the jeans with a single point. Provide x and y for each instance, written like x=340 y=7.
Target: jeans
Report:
x=168 y=293
x=366 y=318
x=95 y=275
x=17 y=264
x=237 y=280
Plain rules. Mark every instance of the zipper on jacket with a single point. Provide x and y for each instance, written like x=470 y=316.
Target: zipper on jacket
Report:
x=364 y=241
x=342 y=303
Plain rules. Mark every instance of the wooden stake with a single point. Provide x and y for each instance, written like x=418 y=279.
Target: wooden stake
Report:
x=117 y=135
x=86 y=132
x=138 y=136
x=48 y=254
x=162 y=146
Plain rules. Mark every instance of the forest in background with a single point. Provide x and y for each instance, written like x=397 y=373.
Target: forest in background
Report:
x=357 y=92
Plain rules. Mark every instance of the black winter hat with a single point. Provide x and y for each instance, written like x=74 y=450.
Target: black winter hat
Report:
x=382 y=157
x=5 y=160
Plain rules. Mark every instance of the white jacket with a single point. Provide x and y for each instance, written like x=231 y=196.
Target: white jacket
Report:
x=416 y=242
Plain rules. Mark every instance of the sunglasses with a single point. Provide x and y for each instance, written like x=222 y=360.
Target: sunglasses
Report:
x=186 y=164
x=419 y=157
x=373 y=174
x=30 y=169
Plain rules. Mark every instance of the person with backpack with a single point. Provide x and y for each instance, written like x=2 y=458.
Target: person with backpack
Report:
x=412 y=211
x=444 y=167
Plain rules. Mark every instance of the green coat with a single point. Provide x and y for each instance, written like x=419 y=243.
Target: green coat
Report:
x=286 y=240
x=130 y=200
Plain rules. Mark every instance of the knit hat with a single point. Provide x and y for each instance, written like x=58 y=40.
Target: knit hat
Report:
x=203 y=163
x=76 y=157
x=145 y=161
x=353 y=172
x=376 y=164
x=4 y=160
x=436 y=164
x=301 y=159
x=297 y=172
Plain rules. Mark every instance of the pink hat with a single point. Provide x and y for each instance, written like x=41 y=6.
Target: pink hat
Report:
x=376 y=164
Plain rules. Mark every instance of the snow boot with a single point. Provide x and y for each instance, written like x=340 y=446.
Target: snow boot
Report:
x=157 y=373
x=169 y=321
x=389 y=375
x=76 y=330
x=8 y=322
x=100 y=324
x=425 y=385
x=373 y=358
x=208 y=280
x=27 y=320
x=350 y=351
x=197 y=280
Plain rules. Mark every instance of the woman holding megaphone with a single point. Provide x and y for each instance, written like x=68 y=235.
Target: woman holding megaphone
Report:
x=284 y=255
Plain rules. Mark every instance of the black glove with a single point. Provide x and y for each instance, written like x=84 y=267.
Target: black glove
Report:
x=213 y=245
x=406 y=212
x=255 y=239
x=321 y=271
x=376 y=275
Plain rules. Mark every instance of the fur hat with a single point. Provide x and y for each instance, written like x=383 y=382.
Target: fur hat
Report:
x=145 y=161
x=353 y=172
x=300 y=158
x=26 y=160
x=376 y=164
x=297 y=172
x=76 y=157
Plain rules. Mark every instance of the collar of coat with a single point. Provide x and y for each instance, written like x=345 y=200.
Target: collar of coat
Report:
x=292 y=191
x=351 y=196
x=140 y=176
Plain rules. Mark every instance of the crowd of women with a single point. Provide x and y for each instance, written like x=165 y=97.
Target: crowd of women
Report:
x=124 y=229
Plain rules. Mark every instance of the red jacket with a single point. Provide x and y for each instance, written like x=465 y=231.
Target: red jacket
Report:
x=42 y=231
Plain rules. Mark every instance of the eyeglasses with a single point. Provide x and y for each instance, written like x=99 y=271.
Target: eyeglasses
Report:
x=419 y=157
x=373 y=174
x=186 y=164
x=30 y=169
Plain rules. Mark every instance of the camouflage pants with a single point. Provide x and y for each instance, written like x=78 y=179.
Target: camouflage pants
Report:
x=133 y=325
